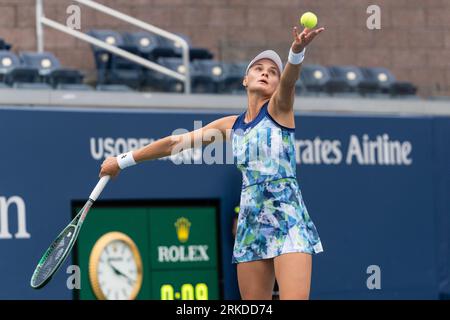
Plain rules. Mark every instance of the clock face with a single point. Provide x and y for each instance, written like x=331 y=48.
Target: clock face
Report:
x=115 y=267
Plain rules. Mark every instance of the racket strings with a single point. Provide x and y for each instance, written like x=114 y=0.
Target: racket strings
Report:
x=52 y=258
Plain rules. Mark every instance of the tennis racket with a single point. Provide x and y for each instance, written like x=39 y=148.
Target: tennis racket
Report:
x=60 y=248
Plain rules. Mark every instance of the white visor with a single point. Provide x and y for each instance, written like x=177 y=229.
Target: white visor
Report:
x=268 y=54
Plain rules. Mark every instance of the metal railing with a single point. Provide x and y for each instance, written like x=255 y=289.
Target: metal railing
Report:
x=42 y=20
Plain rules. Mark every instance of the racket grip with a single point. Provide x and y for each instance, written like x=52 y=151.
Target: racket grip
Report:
x=99 y=187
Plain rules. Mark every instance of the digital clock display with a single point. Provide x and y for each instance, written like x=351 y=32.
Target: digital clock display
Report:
x=188 y=292
x=185 y=285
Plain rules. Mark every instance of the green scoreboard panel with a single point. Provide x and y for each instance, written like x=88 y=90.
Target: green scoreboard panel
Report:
x=177 y=245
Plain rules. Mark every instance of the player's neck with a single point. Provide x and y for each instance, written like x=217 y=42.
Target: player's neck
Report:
x=255 y=103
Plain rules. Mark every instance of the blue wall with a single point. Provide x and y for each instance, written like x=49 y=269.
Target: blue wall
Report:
x=392 y=216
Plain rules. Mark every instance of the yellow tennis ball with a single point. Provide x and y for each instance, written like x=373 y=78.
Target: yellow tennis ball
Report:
x=308 y=20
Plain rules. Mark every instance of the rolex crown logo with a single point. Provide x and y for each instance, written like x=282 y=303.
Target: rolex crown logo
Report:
x=182 y=226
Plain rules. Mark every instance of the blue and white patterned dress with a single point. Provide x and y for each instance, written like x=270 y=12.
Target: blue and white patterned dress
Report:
x=273 y=218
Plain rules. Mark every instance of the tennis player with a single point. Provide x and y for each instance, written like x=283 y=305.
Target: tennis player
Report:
x=275 y=235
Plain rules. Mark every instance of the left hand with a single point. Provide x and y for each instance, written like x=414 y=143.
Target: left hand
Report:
x=303 y=39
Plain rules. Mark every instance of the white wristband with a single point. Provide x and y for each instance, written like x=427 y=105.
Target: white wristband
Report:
x=125 y=160
x=296 y=58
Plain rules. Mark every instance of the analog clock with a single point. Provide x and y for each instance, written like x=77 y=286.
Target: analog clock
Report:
x=115 y=267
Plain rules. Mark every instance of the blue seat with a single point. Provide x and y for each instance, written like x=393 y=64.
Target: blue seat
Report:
x=355 y=79
x=8 y=62
x=387 y=82
x=12 y=71
x=346 y=79
x=44 y=62
x=194 y=52
x=207 y=76
x=165 y=48
x=50 y=69
x=169 y=84
x=170 y=48
x=111 y=68
x=154 y=47
x=233 y=75
x=103 y=57
x=145 y=43
x=315 y=78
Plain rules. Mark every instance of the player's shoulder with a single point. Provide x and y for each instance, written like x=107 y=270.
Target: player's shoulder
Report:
x=232 y=117
x=228 y=121
x=223 y=123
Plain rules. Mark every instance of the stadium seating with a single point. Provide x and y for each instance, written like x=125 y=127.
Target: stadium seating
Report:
x=233 y=74
x=4 y=45
x=315 y=79
x=114 y=73
x=338 y=82
x=387 y=82
x=113 y=69
x=144 y=43
x=345 y=79
x=153 y=46
x=195 y=53
x=101 y=56
x=8 y=62
x=207 y=76
x=169 y=48
x=13 y=72
x=164 y=48
x=50 y=69
x=147 y=46
x=168 y=84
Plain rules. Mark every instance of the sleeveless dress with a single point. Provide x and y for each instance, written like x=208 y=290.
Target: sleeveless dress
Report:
x=273 y=218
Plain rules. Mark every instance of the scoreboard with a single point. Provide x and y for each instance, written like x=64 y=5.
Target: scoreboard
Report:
x=153 y=250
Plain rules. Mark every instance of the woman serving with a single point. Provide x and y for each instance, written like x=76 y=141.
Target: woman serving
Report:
x=275 y=235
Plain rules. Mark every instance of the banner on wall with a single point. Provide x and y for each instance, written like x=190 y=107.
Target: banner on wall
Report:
x=368 y=183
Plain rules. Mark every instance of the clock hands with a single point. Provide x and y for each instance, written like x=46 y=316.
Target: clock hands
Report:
x=121 y=273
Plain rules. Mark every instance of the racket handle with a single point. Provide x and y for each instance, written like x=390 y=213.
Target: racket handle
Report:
x=99 y=187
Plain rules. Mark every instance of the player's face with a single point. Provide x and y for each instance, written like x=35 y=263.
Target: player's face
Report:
x=262 y=77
